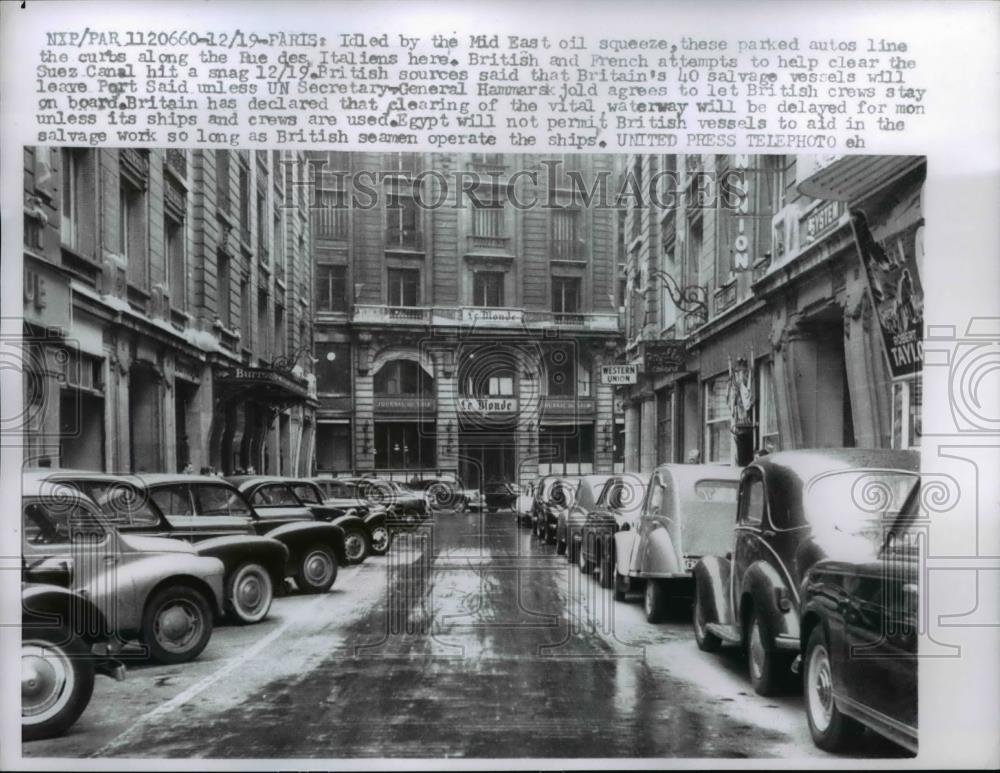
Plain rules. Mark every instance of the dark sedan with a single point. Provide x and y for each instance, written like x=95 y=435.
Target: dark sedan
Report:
x=794 y=508
x=859 y=636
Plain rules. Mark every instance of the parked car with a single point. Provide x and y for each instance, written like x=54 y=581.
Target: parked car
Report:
x=205 y=505
x=557 y=497
x=525 y=501
x=404 y=507
x=254 y=565
x=499 y=495
x=292 y=499
x=154 y=590
x=610 y=523
x=858 y=634
x=688 y=512
x=570 y=520
x=447 y=492
x=541 y=491
x=342 y=495
x=59 y=659
x=794 y=508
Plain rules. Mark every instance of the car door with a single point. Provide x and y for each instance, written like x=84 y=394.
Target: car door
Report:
x=881 y=613
x=276 y=504
x=747 y=536
x=63 y=543
x=649 y=521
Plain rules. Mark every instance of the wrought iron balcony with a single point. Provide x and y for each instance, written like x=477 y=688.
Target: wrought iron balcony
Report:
x=404 y=239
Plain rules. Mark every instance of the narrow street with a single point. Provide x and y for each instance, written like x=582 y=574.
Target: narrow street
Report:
x=468 y=640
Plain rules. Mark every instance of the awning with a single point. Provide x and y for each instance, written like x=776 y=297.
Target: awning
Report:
x=266 y=385
x=848 y=178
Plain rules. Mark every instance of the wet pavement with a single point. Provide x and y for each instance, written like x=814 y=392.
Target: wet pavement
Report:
x=470 y=639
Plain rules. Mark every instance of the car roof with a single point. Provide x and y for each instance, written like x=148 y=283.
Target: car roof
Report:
x=38 y=485
x=686 y=475
x=245 y=481
x=808 y=463
x=159 y=478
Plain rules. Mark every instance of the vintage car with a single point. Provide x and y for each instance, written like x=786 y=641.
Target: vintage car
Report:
x=293 y=499
x=202 y=505
x=404 y=507
x=499 y=495
x=609 y=529
x=154 y=590
x=60 y=657
x=570 y=520
x=254 y=565
x=525 y=501
x=446 y=492
x=688 y=513
x=858 y=634
x=557 y=497
x=341 y=495
x=795 y=508
x=538 y=497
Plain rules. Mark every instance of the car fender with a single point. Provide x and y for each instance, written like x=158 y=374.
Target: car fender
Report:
x=374 y=520
x=767 y=588
x=235 y=550
x=348 y=522
x=660 y=557
x=203 y=572
x=711 y=576
x=624 y=543
x=47 y=606
x=297 y=536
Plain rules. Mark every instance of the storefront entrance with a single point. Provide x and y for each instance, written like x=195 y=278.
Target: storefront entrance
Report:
x=484 y=457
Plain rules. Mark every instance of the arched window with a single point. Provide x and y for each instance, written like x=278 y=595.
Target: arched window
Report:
x=403 y=377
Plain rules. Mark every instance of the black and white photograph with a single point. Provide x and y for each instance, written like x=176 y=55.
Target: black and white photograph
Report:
x=609 y=455
x=514 y=385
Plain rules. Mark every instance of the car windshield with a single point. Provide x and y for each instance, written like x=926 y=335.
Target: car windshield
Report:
x=52 y=523
x=717 y=491
x=126 y=504
x=220 y=500
x=857 y=501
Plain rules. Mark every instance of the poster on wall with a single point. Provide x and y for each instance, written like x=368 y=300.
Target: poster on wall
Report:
x=889 y=257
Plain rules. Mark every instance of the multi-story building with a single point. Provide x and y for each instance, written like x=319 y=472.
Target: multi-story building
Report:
x=166 y=311
x=749 y=311
x=464 y=306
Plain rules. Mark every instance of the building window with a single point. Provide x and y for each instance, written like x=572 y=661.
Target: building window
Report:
x=403 y=377
x=176 y=261
x=907 y=404
x=331 y=288
x=775 y=166
x=566 y=294
x=262 y=344
x=225 y=290
x=500 y=385
x=77 y=210
x=664 y=426
x=488 y=226
x=566 y=241
x=402 y=229
x=279 y=246
x=245 y=304
x=566 y=450
x=132 y=232
x=718 y=438
x=333 y=368
x=223 y=199
x=244 y=197
x=279 y=330
x=263 y=245
x=767 y=419
x=330 y=217
x=487 y=288
x=404 y=287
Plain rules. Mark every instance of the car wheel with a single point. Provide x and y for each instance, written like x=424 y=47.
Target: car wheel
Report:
x=57 y=680
x=707 y=641
x=356 y=545
x=249 y=593
x=176 y=624
x=317 y=569
x=830 y=730
x=765 y=664
x=380 y=540
x=654 y=602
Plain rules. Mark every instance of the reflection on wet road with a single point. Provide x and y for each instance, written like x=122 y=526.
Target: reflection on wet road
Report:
x=468 y=640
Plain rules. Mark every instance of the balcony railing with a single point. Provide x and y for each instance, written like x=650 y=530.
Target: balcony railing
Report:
x=489 y=242
x=725 y=297
x=404 y=239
